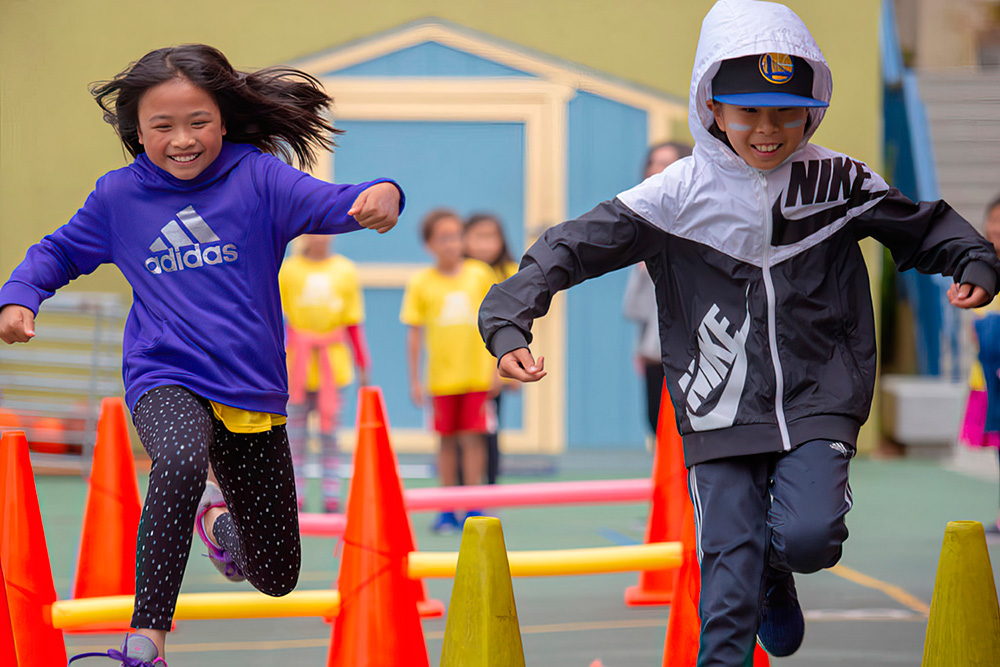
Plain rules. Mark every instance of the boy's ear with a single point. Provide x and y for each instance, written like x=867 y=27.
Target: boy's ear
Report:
x=716 y=109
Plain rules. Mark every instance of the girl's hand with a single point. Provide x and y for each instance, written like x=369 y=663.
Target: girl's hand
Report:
x=967 y=295
x=520 y=365
x=17 y=324
x=377 y=207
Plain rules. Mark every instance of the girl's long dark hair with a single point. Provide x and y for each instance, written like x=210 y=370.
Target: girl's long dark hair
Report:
x=280 y=110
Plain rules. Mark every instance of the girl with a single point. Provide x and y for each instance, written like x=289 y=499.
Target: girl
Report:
x=198 y=225
x=324 y=309
x=981 y=425
x=484 y=240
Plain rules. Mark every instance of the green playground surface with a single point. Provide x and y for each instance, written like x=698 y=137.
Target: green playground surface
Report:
x=871 y=611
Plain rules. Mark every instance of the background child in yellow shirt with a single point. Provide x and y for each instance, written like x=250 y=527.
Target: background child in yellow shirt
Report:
x=485 y=241
x=440 y=306
x=324 y=310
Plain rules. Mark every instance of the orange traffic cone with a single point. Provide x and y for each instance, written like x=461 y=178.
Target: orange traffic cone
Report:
x=684 y=624
x=378 y=625
x=666 y=516
x=426 y=607
x=25 y=560
x=8 y=654
x=106 y=565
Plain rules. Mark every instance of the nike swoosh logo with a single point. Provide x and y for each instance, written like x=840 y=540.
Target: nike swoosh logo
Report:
x=789 y=232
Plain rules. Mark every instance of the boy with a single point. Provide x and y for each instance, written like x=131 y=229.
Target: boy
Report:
x=440 y=301
x=765 y=316
x=324 y=309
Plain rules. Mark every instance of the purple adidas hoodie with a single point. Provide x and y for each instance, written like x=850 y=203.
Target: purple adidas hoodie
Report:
x=202 y=257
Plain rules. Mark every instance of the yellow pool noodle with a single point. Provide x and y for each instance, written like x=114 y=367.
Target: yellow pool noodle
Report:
x=561 y=562
x=191 y=606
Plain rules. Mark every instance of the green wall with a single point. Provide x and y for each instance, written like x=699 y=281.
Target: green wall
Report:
x=54 y=145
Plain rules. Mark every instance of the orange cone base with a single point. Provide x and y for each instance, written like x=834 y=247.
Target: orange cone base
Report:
x=637 y=596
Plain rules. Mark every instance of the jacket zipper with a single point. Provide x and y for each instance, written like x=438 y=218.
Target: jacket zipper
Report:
x=772 y=336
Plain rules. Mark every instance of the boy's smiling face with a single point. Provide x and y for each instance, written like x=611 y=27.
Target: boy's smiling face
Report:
x=763 y=136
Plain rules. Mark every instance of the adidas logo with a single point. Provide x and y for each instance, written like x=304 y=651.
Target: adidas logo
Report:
x=192 y=232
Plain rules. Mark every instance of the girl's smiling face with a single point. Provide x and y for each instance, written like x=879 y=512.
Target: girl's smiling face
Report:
x=180 y=127
x=763 y=136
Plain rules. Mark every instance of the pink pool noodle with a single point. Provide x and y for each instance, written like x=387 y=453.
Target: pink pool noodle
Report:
x=594 y=492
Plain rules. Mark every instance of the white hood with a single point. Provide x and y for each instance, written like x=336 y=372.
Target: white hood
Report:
x=736 y=28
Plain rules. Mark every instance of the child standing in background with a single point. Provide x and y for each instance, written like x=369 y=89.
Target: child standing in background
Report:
x=981 y=425
x=198 y=224
x=439 y=308
x=640 y=301
x=324 y=310
x=485 y=241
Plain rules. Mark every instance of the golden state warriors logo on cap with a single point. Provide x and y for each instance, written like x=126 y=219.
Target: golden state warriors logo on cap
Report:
x=777 y=67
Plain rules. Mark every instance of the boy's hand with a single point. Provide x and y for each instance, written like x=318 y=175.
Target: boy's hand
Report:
x=377 y=207
x=967 y=295
x=520 y=365
x=17 y=324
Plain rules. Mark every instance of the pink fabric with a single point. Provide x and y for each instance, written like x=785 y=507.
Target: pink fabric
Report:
x=972 y=431
x=303 y=345
x=356 y=334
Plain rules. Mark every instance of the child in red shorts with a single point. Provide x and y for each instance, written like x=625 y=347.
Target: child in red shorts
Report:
x=440 y=307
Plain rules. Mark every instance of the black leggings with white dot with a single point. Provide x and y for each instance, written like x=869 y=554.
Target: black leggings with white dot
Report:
x=181 y=434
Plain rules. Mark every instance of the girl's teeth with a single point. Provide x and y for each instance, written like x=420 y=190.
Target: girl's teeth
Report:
x=768 y=148
x=182 y=158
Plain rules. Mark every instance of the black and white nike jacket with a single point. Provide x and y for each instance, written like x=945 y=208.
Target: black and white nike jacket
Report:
x=765 y=313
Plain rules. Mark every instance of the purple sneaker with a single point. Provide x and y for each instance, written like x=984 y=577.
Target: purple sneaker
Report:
x=136 y=651
x=223 y=562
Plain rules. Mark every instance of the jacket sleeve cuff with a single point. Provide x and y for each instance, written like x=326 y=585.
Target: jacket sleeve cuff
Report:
x=507 y=339
x=19 y=294
x=980 y=274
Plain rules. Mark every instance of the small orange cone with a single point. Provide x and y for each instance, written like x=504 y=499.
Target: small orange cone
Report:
x=8 y=654
x=684 y=625
x=666 y=516
x=378 y=625
x=426 y=607
x=106 y=565
x=25 y=559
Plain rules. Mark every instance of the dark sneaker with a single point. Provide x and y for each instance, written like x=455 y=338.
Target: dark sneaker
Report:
x=136 y=651
x=446 y=523
x=781 y=624
x=223 y=562
x=472 y=513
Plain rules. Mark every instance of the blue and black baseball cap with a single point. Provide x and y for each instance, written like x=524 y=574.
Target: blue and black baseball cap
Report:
x=767 y=80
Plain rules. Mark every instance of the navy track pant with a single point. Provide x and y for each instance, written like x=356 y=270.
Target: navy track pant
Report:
x=784 y=511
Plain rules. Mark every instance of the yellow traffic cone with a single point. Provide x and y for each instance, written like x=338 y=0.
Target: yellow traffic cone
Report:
x=964 y=626
x=482 y=628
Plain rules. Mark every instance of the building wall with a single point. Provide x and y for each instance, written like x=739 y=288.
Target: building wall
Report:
x=54 y=145
x=938 y=34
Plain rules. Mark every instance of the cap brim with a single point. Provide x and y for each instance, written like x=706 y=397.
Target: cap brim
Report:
x=769 y=100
